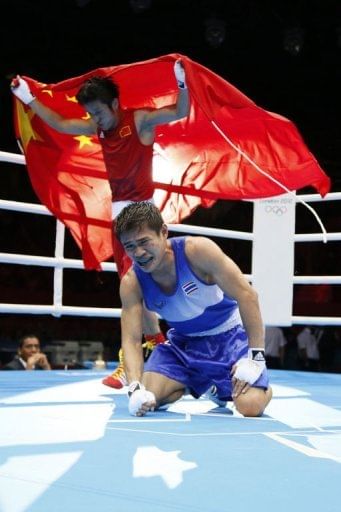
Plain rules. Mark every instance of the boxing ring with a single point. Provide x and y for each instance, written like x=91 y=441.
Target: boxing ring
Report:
x=68 y=443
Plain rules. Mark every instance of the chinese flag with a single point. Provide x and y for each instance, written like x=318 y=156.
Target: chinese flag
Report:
x=227 y=148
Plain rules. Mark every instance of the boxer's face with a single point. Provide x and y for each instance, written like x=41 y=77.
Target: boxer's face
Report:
x=146 y=247
x=103 y=115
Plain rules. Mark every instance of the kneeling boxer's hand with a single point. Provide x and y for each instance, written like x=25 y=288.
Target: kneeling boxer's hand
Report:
x=247 y=371
x=140 y=400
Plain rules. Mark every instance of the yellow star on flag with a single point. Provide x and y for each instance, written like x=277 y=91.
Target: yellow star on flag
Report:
x=83 y=140
x=24 y=124
x=73 y=99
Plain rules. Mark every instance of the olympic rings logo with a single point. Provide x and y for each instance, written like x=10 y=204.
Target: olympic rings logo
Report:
x=276 y=210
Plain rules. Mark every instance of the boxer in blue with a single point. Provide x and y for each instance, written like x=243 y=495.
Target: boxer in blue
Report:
x=216 y=336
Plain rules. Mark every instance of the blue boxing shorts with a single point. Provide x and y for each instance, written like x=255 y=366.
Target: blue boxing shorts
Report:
x=198 y=362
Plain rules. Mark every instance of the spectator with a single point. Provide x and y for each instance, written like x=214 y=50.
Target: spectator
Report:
x=328 y=348
x=308 y=348
x=275 y=343
x=29 y=356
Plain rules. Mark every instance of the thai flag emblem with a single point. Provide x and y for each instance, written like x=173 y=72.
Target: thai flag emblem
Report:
x=189 y=287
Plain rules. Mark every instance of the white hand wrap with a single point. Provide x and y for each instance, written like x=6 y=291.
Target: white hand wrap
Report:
x=249 y=369
x=180 y=76
x=21 y=90
x=133 y=386
x=138 y=398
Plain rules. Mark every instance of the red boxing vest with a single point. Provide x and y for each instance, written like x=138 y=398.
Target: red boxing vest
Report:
x=127 y=160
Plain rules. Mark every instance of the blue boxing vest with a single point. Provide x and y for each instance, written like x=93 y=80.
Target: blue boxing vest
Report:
x=194 y=308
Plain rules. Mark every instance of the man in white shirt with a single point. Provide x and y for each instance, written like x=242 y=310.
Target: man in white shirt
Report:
x=275 y=342
x=308 y=348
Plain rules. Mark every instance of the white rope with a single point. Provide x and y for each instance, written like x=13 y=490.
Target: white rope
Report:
x=317 y=279
x=116 y=313
x=12 y=158
x=316 y=320
x=33 y=309
x=24 y=207
x=283 y=187
x=314 y=198
x=47 y=261
x=202 y=230
x=316 y=237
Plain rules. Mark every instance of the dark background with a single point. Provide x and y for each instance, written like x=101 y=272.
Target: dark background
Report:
x=55 y=40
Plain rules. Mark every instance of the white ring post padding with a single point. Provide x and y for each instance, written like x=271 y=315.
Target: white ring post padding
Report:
x=273 y=257
x=58 y=270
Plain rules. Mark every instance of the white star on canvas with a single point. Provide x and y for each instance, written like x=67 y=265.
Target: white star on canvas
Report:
x=151 y=461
